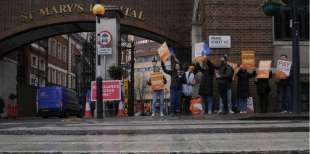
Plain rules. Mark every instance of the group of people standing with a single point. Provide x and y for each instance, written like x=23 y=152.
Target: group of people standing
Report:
x=197 y=82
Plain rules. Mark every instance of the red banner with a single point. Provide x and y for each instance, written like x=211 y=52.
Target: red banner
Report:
x=111 y=90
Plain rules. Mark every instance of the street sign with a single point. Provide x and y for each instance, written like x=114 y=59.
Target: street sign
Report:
x=104 y=43
x=219 y=41
x=111 y=90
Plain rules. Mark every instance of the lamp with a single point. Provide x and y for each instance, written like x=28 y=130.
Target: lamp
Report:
x=98 y=10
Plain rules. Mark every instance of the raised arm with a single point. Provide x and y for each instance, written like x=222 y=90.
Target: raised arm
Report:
x=165 y=69
x=210 y=64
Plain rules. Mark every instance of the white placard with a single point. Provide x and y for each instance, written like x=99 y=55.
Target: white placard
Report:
x=219 y=41
x=199 y=47
x=284 y=66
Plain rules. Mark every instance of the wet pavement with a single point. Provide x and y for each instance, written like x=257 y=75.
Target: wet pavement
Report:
x=156 y=135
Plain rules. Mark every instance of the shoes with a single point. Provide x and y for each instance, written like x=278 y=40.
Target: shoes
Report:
x=219 y=112
x=243 y=112
x=161 y=114
x=172 y=114
x=284 y=111
x=153 y=114
x=231 y=112
x=209 y=112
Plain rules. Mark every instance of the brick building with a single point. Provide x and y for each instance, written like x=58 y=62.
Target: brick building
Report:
x=51 y=61
x=250 y=29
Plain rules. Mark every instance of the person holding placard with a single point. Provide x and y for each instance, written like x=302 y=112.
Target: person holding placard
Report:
x=187 y=87
x=206 y=86
x=175 y=86
x=157 y=82
x=264 y=74
x=285 y=83
x=243 y=86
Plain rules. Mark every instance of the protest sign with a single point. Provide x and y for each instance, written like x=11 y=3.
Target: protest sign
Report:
x=164 y=52
x=248 y=59
x=263 y=69
x=283 y=69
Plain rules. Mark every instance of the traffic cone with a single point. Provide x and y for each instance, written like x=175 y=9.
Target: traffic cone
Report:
x=87 y=111
x=120 y=109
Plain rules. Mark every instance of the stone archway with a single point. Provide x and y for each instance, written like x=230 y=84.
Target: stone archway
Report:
x=23 y=22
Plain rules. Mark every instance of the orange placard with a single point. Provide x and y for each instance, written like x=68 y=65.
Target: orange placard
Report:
x=164 y=52
x=263 y=69
x=157 y=81
x=280 y=75
x=248 y=59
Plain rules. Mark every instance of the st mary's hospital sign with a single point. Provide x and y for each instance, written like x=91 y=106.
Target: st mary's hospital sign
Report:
x=73 y=8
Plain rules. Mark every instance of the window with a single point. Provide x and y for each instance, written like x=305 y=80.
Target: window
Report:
x=49 y=74
x=33 y=80
x=54 y=76
x=34 y=61
x=41 y=82
x=58 y=78
x=53 y=47
x=59 y=51
x=42 y=64
x=69 y=81
x=282 y=29
x=64 y=79
x=72 y=57
x=73 y=82
x=64 y=51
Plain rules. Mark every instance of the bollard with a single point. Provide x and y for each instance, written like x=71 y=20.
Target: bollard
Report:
x=99 y=103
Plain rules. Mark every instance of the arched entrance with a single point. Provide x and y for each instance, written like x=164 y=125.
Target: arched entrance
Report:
x=27 y=21
x=23 y=22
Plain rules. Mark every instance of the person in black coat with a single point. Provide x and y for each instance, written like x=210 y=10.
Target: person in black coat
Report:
x=243 y=87
x=262 y=91
x=175 y=86
x=206 y=86
x=285 y=90
x=224 y=77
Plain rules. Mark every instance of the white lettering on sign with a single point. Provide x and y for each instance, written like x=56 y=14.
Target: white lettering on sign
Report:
x=219 y=41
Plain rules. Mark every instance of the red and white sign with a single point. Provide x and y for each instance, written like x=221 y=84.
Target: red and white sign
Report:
x=111 y=90
x=104 y=38
x=284 y=66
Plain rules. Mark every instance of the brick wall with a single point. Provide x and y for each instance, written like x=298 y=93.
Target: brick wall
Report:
x=248 y=27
